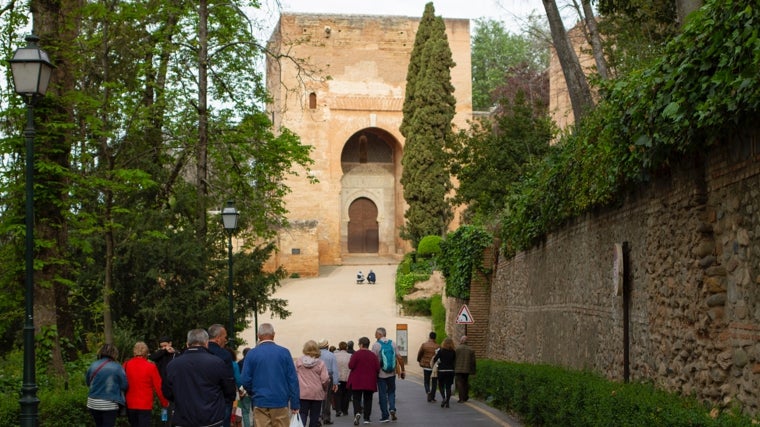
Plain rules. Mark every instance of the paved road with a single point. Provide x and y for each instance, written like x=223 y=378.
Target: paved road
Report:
x=335 y=308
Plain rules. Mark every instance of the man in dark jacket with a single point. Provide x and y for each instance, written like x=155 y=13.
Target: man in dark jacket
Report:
x=217 y=339
x=463 y=368
x=199 y=384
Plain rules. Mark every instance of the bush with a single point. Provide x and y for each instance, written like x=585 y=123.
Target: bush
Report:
x=550 y=395
x=429 y=247
x=438 y=314
x=416 y=307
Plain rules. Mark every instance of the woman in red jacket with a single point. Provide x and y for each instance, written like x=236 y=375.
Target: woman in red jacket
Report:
x=362 y=380
x=143 y=379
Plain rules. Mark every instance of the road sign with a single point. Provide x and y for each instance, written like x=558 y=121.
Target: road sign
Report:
x=464 y=317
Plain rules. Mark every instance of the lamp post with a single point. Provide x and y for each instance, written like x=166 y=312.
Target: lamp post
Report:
x=229 y=219
x=31 y=69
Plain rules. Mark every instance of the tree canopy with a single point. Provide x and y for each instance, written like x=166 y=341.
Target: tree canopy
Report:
x=116 y=155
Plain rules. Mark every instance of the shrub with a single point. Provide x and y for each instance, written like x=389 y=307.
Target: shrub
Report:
x=550 y=395
x=416 y=307
x=429 y=247
x=438 y=315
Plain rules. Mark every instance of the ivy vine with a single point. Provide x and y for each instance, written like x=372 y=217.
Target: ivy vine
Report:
x=461 y=253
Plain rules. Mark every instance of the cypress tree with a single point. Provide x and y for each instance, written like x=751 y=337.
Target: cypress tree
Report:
x=429 y=107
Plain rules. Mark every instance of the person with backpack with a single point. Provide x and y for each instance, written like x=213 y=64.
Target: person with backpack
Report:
x=387 y=354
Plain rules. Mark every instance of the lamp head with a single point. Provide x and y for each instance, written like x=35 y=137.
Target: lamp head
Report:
x=31 y=68
x=230 y=217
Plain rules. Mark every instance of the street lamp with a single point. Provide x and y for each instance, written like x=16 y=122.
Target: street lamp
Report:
x=230 y=219
x=31 y=69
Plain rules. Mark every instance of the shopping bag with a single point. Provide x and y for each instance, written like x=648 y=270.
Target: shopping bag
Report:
x=295 y=421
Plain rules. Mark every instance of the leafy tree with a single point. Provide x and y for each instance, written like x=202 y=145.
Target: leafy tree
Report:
x=495 y=52
x=496 y=151
x=429 y=107
x=116 y=196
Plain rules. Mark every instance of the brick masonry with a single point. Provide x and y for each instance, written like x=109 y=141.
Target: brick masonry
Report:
x=694 y=238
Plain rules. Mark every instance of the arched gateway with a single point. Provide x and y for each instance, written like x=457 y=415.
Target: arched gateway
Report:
x=346 y=102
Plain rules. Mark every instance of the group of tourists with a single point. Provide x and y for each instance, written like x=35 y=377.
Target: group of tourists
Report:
x=441 y=364
x=204 y=385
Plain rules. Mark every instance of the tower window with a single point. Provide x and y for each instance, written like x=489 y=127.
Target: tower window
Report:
x=312 y=100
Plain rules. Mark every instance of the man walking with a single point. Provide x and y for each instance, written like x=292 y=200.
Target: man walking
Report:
x=217 y=339
x=425 y=358
x=464 y=366
x=332 y=369
x=387 y=354
x=269 y=377
x=199 y=384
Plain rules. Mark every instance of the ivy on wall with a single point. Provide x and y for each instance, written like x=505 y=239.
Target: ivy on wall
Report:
x=461 y=252
x=705 y=87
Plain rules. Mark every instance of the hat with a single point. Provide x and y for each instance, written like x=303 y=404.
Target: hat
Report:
x=323 y=343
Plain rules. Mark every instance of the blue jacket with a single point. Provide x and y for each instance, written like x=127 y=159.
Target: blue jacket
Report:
x=199 y=384
x=269 y=376
x=332 y=364
x=109 y=383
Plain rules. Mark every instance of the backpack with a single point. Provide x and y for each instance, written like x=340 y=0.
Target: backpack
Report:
x=387 y=356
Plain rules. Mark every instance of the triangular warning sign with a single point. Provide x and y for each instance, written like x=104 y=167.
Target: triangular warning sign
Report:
x=464 y=317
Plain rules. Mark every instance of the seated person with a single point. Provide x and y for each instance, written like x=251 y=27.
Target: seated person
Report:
x=359 y=277
x=371 y=277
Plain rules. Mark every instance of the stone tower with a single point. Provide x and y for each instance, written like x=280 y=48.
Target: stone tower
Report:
x=345 y=100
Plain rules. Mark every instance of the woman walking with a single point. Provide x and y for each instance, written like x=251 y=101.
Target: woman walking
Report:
x=446 y=358
x=107 y=382
x=144 y=380
x=362 y=380
x=313 y=380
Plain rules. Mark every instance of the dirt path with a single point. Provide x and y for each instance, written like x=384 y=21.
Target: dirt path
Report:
x=334 y=307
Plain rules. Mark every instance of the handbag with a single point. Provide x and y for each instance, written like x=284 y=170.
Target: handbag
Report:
x=295 y=420
x=435 y=370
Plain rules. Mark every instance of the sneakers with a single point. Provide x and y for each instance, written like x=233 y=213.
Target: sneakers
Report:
x=385 y=420
x=393 y=416
x=357 y=417
x=367 y=422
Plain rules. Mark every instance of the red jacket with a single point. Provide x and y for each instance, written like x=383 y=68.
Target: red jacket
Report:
x=364 y=367
x=142 y=379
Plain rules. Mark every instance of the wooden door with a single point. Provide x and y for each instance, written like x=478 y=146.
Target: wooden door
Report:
x=362 y=226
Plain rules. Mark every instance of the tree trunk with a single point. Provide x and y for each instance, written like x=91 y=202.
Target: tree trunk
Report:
x=685 y=7
x=577 y=86
x=54 y=21
x=202 y=155
x=594 y=39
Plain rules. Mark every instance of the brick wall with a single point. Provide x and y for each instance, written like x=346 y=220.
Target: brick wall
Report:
x=695 y=285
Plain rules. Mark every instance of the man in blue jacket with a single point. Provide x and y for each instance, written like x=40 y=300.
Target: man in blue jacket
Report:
x=199 y=384
x=269 y=377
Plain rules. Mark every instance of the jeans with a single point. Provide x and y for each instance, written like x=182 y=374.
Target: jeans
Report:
x=245 y=407
x=386 y=388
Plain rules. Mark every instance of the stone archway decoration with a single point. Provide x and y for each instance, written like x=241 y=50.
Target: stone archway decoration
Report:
x=362 y=226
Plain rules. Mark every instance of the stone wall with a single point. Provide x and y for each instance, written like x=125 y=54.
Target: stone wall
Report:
x=694 y=285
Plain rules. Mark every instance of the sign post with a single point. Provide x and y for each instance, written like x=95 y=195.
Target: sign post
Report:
x=464 y=317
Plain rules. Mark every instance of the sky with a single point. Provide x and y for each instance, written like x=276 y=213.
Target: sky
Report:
x=511 y=12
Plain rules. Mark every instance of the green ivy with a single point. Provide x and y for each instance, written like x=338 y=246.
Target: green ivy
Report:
x=461 y=252
x=706 y=86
